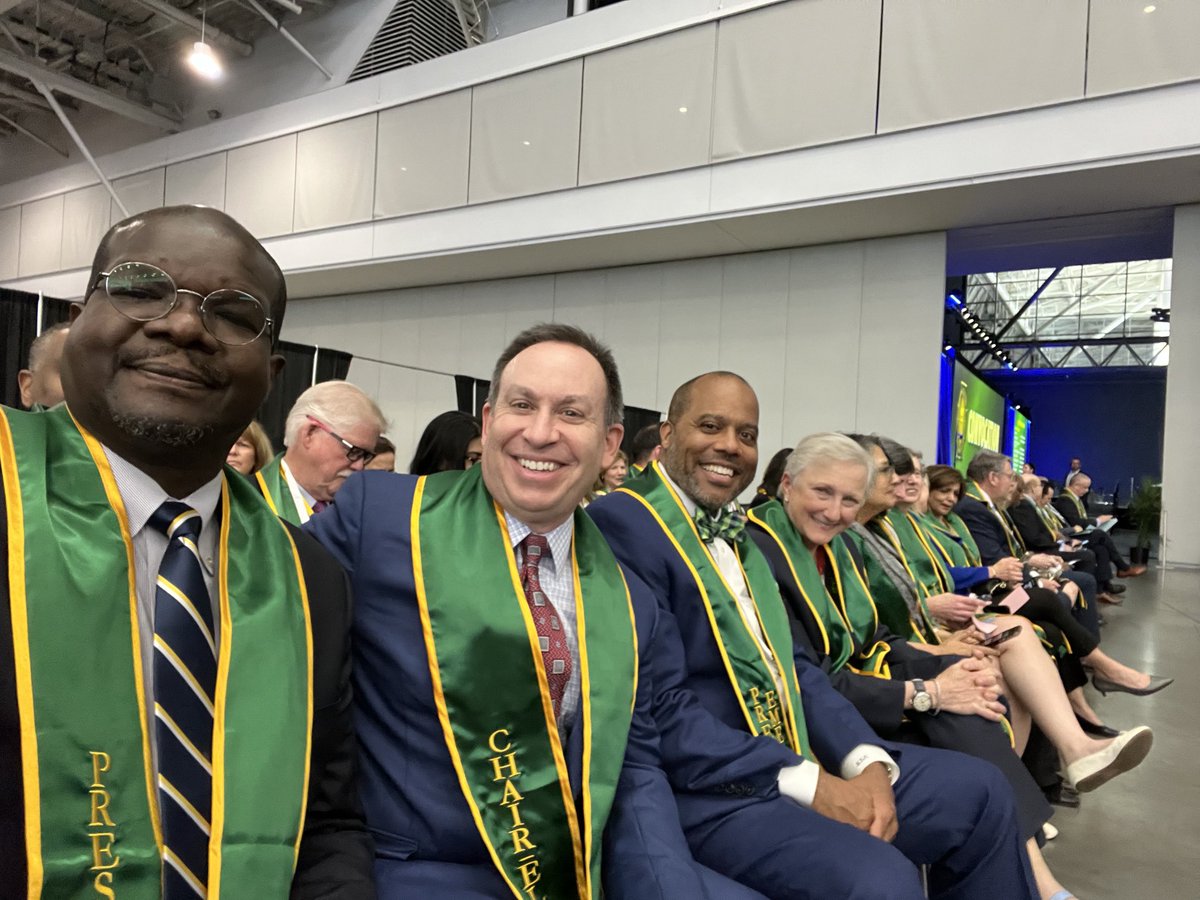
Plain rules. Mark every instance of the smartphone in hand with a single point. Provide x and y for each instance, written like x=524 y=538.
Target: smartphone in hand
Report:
x=993 y=640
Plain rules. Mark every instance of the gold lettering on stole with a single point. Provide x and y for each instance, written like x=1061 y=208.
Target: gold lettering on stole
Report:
x=767 y=714
x=100 y=824
x=505 y=769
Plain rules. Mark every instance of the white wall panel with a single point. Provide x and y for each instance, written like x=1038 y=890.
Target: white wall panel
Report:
x=200 y=181
x=41 y=236
x=525 y=133
x=754 y=321
x=260 y=186
x=1181 y=433
x=396 y=394
x=795 y=74
x=690 y=317
x=423 y=155
x=335 y=173
x=1129 y=48
x=632 y=300
x=139 y=193
x=85 y=220
x=10 y=241
x=526 y=301
x=579 y=300
x=824 y=311
x=903 y=282
x=439 y=327
x=944 y=61
x=482 y=332
x=647 y=107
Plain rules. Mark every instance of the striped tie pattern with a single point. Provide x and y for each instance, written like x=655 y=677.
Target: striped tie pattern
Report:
x=185 y=678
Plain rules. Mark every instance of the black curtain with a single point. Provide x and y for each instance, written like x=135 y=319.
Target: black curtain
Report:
x=19 y=323
x=298 y=375
x=636 y=419
x=471 y=394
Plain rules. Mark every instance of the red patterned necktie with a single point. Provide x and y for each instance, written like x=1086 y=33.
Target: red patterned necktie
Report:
x=556 y=655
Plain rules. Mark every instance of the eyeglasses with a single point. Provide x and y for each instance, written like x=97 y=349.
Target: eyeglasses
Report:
x=143 y=292
x=354 y=453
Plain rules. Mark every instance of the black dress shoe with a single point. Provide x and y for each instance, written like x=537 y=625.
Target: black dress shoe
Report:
x=1100 y=731
x=1114 y=588
x=1104 y=686
x=1067 y=798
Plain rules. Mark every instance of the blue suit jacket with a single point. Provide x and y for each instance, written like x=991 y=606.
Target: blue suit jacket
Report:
x=426 y=840
x=835 y=727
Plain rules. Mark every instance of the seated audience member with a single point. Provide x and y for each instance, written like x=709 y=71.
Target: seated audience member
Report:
x=1073 y=472
x=493 y=765
x=330 y=433
x=614 y=476
x=679 y=528
x=1072 y=506
x=251 y=451
x=1039 y=537
x=955 y=540
x=254 y=795
x=385 y=456
x=990 y=488
x=820 y=578
x=645 y=448
x=41 y=383
x=768 y=488
x=450 y=442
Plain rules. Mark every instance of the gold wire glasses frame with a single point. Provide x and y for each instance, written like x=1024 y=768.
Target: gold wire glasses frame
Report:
x=144 y=292
x=353 y=452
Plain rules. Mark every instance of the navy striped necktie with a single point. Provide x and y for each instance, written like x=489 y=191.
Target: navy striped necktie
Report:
x=185 y=678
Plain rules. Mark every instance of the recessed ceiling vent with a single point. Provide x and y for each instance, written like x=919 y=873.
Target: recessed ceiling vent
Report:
x=417 y=30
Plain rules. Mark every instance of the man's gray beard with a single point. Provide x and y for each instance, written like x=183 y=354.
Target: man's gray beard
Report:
x=168 y=434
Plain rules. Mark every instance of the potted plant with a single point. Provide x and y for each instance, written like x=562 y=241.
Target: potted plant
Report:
x=1145 y=509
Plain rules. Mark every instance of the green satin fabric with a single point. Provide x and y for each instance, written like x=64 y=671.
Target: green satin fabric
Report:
x=923 y=561
x=848 y=621
x=491 y=691
x=92 y=789
x=748 y=669
x=954 y=539
x=275 y=488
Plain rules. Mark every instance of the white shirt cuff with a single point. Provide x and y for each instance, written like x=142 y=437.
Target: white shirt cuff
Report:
x=862 y=756
x=799 y=782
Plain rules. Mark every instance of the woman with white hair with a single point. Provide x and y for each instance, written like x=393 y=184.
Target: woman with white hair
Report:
x=825 y=484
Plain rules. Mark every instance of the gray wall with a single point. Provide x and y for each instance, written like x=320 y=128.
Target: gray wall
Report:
x=844 y=336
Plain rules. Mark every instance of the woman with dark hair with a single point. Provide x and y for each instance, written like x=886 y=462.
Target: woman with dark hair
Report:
x=452 y=440
x=769 y=487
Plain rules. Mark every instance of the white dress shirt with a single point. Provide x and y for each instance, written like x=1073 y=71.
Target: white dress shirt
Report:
x=798 y=782
x=301 y=499
x=557 y=579
x=142 y=496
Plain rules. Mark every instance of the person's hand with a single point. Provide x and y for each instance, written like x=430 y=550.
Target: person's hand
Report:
x=1104 y=518
x=1008 y=569
x=1050 y=584
x=874 y=780
x=954 y=608
x=844 y=801
x=1044 y=561
x=969 y=688
x=966 y=643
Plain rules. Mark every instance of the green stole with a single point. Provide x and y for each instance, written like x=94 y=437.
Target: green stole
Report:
x=491 y=692
x=1016 y=546
x=848 y=622
x=953 y=540
x=91 y=807
x=893 y=608
x=924 y=562
x=1076 y=502
x=749 y=670
x=1048 y=520
x=273 y=481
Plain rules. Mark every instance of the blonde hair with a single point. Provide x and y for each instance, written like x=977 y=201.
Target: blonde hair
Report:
x=256 y=436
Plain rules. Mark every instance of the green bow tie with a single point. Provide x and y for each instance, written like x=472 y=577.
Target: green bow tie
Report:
x=728 y=523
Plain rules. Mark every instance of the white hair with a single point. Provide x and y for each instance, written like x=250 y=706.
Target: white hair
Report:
x=829 y=446
x=339 y=404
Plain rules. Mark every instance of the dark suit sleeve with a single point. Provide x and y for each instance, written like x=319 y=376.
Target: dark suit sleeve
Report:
x=1033 y=532
x=336 y=857
x=12 y=796
x=1070 y=513
x=986 y=531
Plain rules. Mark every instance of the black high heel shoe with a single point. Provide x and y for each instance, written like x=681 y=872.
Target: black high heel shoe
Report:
x=1104 y=686
x=1100 y=731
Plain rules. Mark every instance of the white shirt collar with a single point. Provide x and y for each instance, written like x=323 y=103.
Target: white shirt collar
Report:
x=142 y=495
x=558 y=538
x=291 y=478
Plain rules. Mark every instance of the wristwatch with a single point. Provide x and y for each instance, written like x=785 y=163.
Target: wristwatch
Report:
x=922 y=700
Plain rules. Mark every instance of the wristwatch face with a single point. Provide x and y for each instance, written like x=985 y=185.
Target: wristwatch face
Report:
x=921 y=700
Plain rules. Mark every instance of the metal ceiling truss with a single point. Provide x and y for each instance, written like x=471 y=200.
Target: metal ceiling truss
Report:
x=1088 y=352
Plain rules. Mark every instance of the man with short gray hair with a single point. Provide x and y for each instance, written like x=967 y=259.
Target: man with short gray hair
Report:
x=41 y=383
x=330 y=433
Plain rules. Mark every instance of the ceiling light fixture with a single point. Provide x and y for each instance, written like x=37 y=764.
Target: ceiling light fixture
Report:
x=1149 y=9
x=202 y=59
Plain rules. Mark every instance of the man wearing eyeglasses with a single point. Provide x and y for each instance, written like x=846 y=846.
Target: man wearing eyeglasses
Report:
x=330 y=433
x=174 y=682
